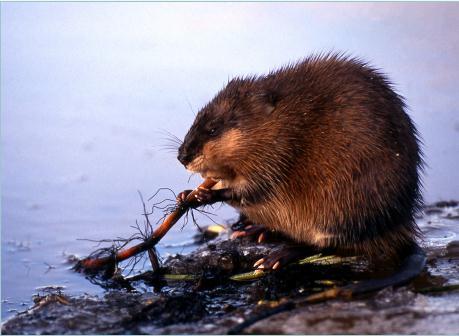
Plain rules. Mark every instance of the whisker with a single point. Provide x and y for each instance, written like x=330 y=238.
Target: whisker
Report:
x=189 y=178
x=170 y=136
x=190 y=106
x=169 y=146
x=173 y=141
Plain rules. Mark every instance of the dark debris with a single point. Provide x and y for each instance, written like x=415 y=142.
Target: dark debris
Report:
x=208 y=302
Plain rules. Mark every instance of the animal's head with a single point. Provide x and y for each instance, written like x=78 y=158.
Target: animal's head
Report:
x=228 y=134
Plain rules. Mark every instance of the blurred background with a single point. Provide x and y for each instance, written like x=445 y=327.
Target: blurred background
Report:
x=88 y=91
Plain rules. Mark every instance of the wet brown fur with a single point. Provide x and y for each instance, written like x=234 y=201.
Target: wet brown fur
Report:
x=321 y=150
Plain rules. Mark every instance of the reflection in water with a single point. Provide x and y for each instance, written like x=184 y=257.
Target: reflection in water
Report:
x=88 y=88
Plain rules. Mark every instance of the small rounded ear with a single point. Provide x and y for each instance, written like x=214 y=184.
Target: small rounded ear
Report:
x=269 y=99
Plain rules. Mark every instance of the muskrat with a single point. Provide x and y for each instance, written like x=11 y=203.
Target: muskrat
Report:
x=321 y=151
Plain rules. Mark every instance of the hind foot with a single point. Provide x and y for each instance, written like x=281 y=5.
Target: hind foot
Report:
x=245 y=228
x=251 y=230
x=282 y=257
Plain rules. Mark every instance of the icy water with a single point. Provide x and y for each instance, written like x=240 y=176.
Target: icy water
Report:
x=87 y=90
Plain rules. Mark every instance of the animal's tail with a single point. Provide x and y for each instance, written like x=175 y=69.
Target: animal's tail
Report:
x=410 y=267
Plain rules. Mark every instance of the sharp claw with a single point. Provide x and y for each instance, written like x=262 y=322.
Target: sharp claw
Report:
x=261 y=238
x=276 y=265
x=237 y=234
x=259 y=262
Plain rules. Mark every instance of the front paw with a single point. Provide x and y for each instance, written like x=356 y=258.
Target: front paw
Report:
x=200 y=197
x=205 y=196
x=181 y=197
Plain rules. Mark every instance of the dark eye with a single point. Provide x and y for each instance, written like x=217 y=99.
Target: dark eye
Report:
x=212 y=131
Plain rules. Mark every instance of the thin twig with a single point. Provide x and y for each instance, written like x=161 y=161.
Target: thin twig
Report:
x=102 y=261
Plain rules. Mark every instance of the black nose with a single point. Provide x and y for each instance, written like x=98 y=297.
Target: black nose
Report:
x=183 y=158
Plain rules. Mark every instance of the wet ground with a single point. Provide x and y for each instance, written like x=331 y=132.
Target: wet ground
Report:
x=197 y=293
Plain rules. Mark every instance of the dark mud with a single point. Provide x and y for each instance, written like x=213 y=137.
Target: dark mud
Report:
x=194 y=294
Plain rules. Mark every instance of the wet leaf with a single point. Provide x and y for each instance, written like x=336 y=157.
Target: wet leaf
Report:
x=249 y=275
x=180 y=277
x=325 y=260
x=315 y=258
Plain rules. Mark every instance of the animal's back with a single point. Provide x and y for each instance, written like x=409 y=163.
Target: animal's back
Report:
x=352 y=180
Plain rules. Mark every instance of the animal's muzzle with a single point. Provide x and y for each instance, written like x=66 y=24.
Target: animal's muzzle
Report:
x=184 y=158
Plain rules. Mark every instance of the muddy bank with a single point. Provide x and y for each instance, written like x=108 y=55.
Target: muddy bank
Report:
x=196 y=294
